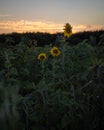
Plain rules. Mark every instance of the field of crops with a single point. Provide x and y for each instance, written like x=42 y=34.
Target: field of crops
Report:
x=52 y=87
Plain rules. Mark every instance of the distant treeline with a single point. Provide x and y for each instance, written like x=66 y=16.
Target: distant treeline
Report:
x=91 y=37
x=41 y=39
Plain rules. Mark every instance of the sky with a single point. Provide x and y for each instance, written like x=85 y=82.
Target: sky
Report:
x=50 y=15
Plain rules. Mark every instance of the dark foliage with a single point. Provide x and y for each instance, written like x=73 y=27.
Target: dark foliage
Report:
x=92 y=37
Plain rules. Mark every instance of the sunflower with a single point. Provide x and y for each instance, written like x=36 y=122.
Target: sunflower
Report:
x=67 y=30
x=55 y=51
x=42 y=56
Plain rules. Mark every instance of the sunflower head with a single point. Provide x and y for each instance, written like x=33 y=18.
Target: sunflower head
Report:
x=42 y=56
x=55 y=51
x=66 y=34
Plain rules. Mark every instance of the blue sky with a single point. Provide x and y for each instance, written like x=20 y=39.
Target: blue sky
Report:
x=52 y=13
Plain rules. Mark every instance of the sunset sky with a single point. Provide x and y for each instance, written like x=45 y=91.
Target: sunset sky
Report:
x=50 y=15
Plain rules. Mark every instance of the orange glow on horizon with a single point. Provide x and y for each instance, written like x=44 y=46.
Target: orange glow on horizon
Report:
x=38 y=26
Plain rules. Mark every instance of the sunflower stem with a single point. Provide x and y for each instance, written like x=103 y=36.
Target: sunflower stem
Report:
x=43 y=71
x=54 y=66
x=63 y=56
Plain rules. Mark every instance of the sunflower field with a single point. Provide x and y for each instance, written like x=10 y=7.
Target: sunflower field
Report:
x=54 y=87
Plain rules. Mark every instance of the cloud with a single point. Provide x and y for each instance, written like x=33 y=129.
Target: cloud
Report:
x=30 y=26
x=81 y=28
x=40 y=26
